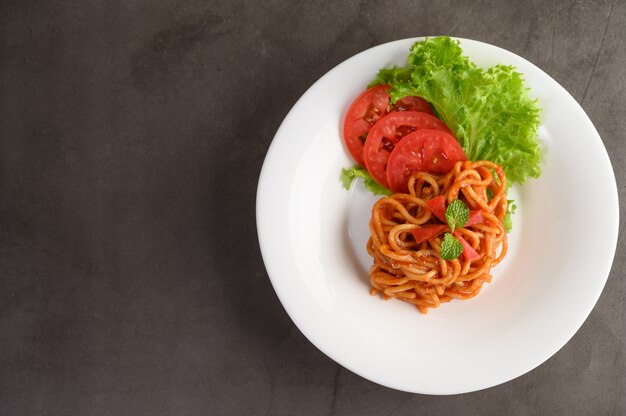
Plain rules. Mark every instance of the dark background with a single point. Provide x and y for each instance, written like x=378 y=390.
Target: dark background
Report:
x=132 y=136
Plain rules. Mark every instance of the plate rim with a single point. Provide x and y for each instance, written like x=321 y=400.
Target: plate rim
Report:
x=261 y=234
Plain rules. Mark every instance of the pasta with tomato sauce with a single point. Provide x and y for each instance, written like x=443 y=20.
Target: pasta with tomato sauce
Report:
x=408 y=230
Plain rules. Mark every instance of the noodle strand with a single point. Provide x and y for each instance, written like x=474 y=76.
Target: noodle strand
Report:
x=415 y=272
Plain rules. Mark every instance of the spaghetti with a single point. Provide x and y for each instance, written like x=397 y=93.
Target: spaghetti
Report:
x=415 y=272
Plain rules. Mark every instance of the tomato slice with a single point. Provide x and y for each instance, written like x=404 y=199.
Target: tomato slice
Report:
x=388 y=132
x=468 y=251
x=427 y=231
x=427 y=150
x=475 y=217
x=412 y=103
x=437 y=206
x=368 y=108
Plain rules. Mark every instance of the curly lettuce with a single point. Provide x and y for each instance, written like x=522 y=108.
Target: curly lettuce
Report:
x=490 y=111
x=349 y=175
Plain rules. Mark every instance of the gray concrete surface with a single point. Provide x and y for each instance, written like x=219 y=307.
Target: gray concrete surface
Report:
x=132 y=136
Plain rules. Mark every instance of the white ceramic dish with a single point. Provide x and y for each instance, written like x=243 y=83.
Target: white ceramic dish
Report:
x=312 y=235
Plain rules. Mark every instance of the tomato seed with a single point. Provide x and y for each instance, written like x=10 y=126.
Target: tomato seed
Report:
x=398 y=107
x=387 y=144
x=402 y=131
x=372 y=114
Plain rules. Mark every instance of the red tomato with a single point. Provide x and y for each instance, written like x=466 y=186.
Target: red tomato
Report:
x=468 y=251
x=437 y=206
x=428 y=150
x=427 y=231
x=385 y=135
x=412 y=104
x=476 y=217
x=368 y=108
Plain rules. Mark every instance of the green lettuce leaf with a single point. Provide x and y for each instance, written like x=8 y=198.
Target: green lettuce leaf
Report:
x=508 y=221
x=489 y=111
x=349 y=175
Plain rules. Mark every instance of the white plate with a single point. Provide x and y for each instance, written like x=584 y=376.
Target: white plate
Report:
x=313 y=233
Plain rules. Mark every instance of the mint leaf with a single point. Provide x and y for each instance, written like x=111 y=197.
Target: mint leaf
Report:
x=349 y=175
x=451 y=248
x=457 y=214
